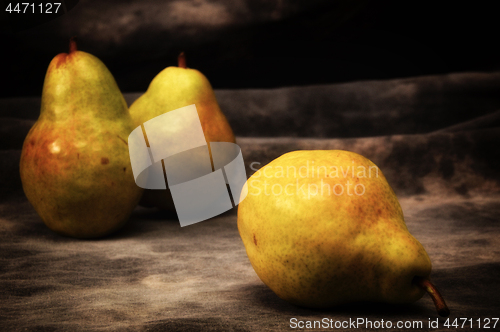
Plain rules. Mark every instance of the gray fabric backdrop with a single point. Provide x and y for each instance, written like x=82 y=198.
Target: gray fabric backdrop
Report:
x=435 y=138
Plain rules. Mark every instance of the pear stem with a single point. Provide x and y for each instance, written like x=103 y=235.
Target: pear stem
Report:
x=72 y=45
x=181 y=60
x=437 y=298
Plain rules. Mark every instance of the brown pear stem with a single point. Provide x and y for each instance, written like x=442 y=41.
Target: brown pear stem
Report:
x=181 y=60
x=72 y=45
x=427 y=286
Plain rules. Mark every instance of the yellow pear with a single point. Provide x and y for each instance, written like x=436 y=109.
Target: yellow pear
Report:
x=323 y=228
x=75 y=166
x=173 y=88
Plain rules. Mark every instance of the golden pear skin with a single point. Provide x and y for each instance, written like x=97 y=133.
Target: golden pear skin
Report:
x=323 y=228
x=75 y=166
x=173 y=88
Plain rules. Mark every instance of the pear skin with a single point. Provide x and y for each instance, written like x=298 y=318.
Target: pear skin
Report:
x=75 y=166
x=323 y=228
x=176 y=87
x=173 y=88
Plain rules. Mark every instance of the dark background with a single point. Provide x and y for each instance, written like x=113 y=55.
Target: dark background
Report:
x=259 y=44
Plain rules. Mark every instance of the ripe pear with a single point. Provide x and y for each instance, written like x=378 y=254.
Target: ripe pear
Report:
x=173 y=88
x=323 y=228
x=75 y=166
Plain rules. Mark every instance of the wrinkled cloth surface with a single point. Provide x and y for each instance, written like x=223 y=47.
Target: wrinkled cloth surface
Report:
x=436 y=139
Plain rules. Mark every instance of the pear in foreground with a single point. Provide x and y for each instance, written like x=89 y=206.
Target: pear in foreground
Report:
x=75 y=166
x=173 y=88
x=323 y=228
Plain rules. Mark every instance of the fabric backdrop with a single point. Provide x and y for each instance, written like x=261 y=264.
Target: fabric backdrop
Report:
x=435 y=138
